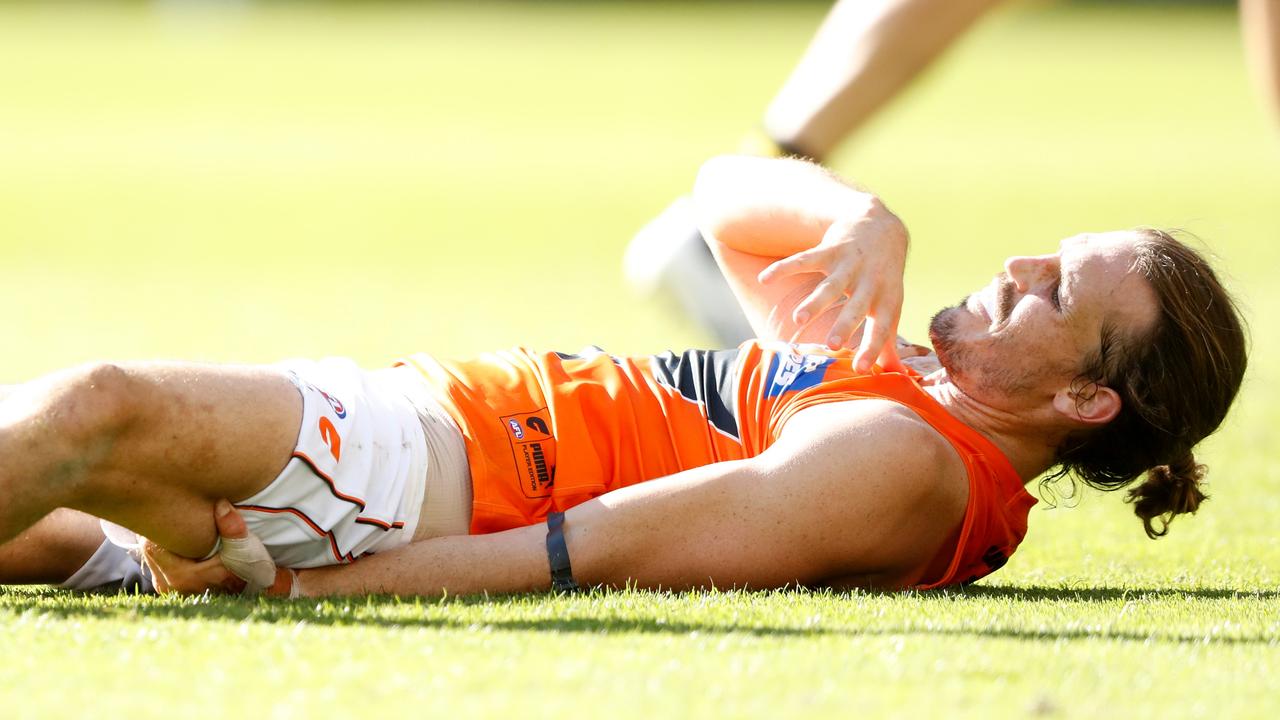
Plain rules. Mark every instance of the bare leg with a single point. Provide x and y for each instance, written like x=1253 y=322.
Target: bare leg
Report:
x=861 y=57
x=148 y=446
x=1260 y=24
x=52 y=550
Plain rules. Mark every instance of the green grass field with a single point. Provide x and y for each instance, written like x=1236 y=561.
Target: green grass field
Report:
x=373 y=180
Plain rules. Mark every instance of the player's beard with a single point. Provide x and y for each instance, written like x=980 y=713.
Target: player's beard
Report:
x=942 y=334
x=966 y=368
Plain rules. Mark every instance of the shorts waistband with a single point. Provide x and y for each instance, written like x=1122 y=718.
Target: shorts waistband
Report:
x=446 y=503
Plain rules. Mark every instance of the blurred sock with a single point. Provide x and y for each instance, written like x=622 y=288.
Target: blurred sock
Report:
x=668 y=257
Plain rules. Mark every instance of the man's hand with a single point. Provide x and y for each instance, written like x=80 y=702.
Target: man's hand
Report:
x=861 y=258
x=240 y=552
x=177 y=574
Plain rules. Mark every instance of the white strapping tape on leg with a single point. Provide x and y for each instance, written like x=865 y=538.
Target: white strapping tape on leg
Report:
x=247 y=558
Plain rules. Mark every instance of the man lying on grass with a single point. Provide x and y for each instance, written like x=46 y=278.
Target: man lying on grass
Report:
x=780 y=462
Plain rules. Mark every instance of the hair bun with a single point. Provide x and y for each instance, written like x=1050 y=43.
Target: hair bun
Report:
x=1168 y=491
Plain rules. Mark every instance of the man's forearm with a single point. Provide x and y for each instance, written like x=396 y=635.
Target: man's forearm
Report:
x=690 y=529
x=510 y=561
x=775 y=207
x=612 y=539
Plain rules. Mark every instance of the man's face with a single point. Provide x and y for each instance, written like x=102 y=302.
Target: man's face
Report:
x=1027 y=334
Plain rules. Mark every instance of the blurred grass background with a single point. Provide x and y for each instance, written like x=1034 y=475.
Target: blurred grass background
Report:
x=246 y=182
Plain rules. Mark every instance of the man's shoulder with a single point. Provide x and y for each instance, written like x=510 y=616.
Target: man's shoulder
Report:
x=885 y=432
x=880 y=454
x=882 y=418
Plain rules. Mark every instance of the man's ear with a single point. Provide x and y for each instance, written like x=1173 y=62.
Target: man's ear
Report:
x=1090 y=403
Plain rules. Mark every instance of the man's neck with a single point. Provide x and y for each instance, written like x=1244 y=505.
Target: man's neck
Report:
x=1023 y=438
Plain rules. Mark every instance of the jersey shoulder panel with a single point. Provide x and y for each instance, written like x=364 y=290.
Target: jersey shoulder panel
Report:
x=708 y=378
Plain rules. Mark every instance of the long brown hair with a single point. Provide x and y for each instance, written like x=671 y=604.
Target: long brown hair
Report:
x=1176 y=383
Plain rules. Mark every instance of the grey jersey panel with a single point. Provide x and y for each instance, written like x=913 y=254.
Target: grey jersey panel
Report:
x=707 y=377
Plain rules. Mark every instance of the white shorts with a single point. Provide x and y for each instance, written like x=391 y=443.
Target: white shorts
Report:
x=376 y=465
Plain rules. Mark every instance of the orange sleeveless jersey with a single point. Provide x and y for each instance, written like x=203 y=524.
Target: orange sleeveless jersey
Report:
x=545 y=431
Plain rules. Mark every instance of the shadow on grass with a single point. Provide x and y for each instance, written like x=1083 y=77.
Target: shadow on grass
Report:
x=392 y=613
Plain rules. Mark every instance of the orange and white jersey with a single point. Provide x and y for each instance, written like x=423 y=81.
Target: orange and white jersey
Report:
x=545 y=431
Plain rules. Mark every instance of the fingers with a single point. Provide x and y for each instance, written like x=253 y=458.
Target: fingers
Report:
x=827 y=293
x=242 y=553
x=249 y=560
x=878 y=345
x=242 y=561
x=230 y=523
x=159 y=561
x=802 y=327
x=233 y=585
x=807 y=261
x=851 y=317
x=881 y=331
x=285 y=585
x=839 y=282
x=861 y=259
x=888 y=359
x=176 y=574
x=149 y=553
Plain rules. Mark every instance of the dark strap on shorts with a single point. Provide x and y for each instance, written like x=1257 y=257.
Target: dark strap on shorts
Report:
x=558 y=555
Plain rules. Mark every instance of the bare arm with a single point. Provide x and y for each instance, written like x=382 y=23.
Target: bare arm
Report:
x=773 y=207
x=1260 y=26
x=794 y=242
x=865 y=53
x=856 y=491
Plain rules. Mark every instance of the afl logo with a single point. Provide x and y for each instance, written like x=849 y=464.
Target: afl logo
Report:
x=516 y=429
x=335 y=403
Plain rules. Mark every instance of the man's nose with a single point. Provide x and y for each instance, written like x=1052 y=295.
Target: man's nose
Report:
x=1027 y=270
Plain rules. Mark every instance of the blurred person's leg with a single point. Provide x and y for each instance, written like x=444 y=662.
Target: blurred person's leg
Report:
x=1260 y=26
x=668 y=259
x=865 y=52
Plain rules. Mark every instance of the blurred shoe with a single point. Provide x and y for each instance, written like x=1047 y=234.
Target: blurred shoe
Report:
x=668 y=257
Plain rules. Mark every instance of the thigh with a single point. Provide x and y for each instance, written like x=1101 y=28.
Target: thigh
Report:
x=199 y=433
